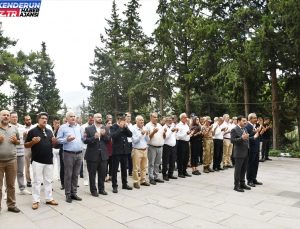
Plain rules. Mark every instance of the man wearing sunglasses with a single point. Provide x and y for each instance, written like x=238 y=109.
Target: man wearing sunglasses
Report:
x=40 y=139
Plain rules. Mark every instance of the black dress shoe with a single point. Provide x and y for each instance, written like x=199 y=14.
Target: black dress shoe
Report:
x=95 y=194
x=102 y=192
x=153 y=182
x=127 y=187
x=172 y=177
x=166 y=178
x=257 y=182
x=159 y=180
x=268 y=159
x=262 y=160
x=216 y=169
x=229 y=166
x=75 y=197
x=251 y=184
x=62 y=187
x=14 y=209
x=115 y=190
x=244 y=186
x=68 y=199
x=29 y=184
x=221 y=169
x=181 y=175
x=187 y=175
x=238 y=189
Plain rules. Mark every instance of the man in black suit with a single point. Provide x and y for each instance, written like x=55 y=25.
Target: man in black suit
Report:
x=240 y=140
x=253 y=150
x=120 y=150
x=96 y=136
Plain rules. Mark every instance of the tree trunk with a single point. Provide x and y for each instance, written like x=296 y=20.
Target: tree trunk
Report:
x=116 y=107
x=275 y=113
x=246 y=97
x=187 y=101
x=130 y=103
x=161 y=98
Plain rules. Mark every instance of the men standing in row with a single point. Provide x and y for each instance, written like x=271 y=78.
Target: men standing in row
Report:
x=169 y=150
x=70 y=136
x=95 y=136
x=157 y=137
x=20 y=154
x=253 y=150
x=40 y=140
x=140 y=137
x=9 y=138
x=240 y=139
x=183 y=137
x=120 y=150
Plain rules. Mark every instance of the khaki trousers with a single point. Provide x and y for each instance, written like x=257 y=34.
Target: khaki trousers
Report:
x=208 y=146
x=139 y=163
x=9 y=169
x=227 y=151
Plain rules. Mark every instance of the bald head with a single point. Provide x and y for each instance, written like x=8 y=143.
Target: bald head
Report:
x=4 y=117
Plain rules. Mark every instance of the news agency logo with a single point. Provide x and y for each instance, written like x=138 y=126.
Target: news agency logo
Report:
x=21 y=8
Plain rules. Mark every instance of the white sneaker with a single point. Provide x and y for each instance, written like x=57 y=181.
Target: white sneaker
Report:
x=86 y=183
x=24 y=192
x=5 y=196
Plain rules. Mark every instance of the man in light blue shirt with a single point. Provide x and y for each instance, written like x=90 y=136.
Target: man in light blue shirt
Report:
x=69 y=136
x=140 y=138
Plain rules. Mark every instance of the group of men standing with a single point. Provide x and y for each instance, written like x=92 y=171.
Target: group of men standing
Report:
x=141 y=149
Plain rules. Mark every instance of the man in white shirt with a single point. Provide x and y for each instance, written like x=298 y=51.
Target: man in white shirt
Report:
x=169 y=150
x=227 y=145
x=20 y=154
x=157 y=137
x=28 y=126
x=218 y=132
x=183 y=137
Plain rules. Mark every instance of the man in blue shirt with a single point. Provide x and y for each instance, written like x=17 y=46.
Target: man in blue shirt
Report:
x=69 y=136
x=140 y=137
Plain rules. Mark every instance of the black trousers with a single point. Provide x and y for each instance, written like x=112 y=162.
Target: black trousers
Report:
x=252 y=166
x=182 y=156
x=62 y=167
x=265 y=148
x=109 y=166
x=116 y=160
x=195 y=152
x=218 y=153
x=240 y=171
x=96 y=167
x=201 y=151
x=129 y=163
x=168 y=160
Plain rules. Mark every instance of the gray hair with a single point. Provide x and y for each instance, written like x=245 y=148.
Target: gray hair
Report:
x=139 y=117
x=70 y=113
x=251 y=116
x=181 y=115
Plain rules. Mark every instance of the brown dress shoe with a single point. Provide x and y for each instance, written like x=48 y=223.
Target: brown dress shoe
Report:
x=136 y=185
x=35 y=205
x=52 y=202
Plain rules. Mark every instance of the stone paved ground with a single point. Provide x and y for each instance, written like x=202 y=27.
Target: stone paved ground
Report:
x=205 y=201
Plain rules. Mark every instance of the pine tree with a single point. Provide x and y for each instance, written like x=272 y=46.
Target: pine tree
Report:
x=107 y=80
x=47 y=95
x=135 y=57
x=20 y=83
